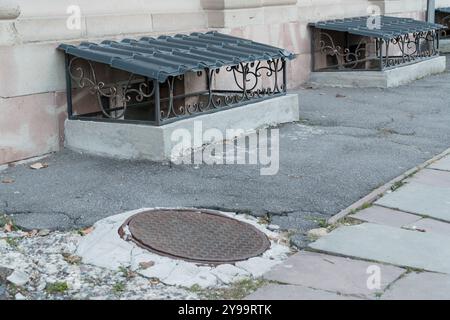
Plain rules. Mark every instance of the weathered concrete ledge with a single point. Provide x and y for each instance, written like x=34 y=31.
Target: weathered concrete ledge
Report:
x=380 y=79
x=444 y=45
x=131 y=141
x=9 y=9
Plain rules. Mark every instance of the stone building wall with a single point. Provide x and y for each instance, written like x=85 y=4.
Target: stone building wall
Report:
x=442 y=3
x=32 y=97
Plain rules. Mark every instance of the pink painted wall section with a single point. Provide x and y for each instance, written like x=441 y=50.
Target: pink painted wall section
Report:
x=28 y=69
x=30 y=126
x=293 y=36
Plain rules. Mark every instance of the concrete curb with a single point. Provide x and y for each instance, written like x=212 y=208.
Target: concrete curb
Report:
x=376 y=194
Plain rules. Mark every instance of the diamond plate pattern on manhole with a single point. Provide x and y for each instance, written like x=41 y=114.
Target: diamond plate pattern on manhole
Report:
x=197 y=236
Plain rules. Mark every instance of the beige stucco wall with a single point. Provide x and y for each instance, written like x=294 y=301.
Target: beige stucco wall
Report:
x=32 y=71
x=442 y=3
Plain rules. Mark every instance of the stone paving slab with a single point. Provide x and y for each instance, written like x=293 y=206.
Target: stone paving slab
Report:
x=390 y=245
x=420 y=199
x=431 y=225
x=420 y=286
x=342 y=275
x=290 y=292
x=434 y=178
x=443 y=164
x=386 y=216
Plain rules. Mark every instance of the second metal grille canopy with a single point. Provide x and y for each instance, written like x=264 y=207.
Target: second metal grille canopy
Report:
x=389 y=28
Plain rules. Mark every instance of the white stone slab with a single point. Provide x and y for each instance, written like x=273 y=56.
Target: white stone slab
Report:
x=421 y=199
x=290 y=292
x=444 y=45
x=432 y=226
x=18 y=278
x=386 y=216
x=332 y=273
x=443 y=164
x=391 y=245
x=257 y=266
x=434 y=178
x=420 y=286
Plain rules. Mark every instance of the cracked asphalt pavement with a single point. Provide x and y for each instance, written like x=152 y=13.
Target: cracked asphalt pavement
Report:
x=349 y=142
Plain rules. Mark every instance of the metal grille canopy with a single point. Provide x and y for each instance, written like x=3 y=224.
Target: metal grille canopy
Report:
x=165 y=56
x=393 y=42
x=151 y=87
x=390 y=27
x=443 y=10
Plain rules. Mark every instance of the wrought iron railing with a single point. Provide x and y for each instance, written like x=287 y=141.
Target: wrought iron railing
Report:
x=168 y=78
x=372 y=43
x=373 y=53
x=167 y=102
x=443 y=17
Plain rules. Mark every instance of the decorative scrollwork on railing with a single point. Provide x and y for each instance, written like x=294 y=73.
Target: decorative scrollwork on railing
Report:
x=248 y=85
x=411 y=47
x=142 y=92
x=346 y=58
x=377 y=53
x=119 y=95
x=247 y=79
x=445 y=21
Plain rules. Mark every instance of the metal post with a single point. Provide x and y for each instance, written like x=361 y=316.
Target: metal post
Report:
x=387 y=44
x=381 y=41
x=403 y=50
x=347 y=40
x=438 y=39
x=244 y=79
x=431 y=11
x=208 y=80
x=68 y=88
x=157 y=103
x=284 y=76
x=418 y=48
x=313 y=49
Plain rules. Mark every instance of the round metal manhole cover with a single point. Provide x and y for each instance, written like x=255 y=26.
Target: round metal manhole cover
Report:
x=196 y=235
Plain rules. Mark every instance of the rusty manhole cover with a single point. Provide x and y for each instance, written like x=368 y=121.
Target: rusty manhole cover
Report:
x=196 y=235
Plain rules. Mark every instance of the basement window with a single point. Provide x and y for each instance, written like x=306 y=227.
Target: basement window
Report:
x=351 y=44
x=160 y=80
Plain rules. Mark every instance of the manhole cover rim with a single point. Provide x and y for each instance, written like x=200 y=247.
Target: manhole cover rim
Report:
x=266 y=243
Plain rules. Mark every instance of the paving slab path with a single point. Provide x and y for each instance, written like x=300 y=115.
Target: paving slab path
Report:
x=396 y=249
x=420 y=250
x=420 y=286
x=346 y=276
x=427 y=194
x=290 y=292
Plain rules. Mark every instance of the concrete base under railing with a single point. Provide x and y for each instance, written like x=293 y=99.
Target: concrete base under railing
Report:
x=379 y=79
x=444 y=45
x=133 y=141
